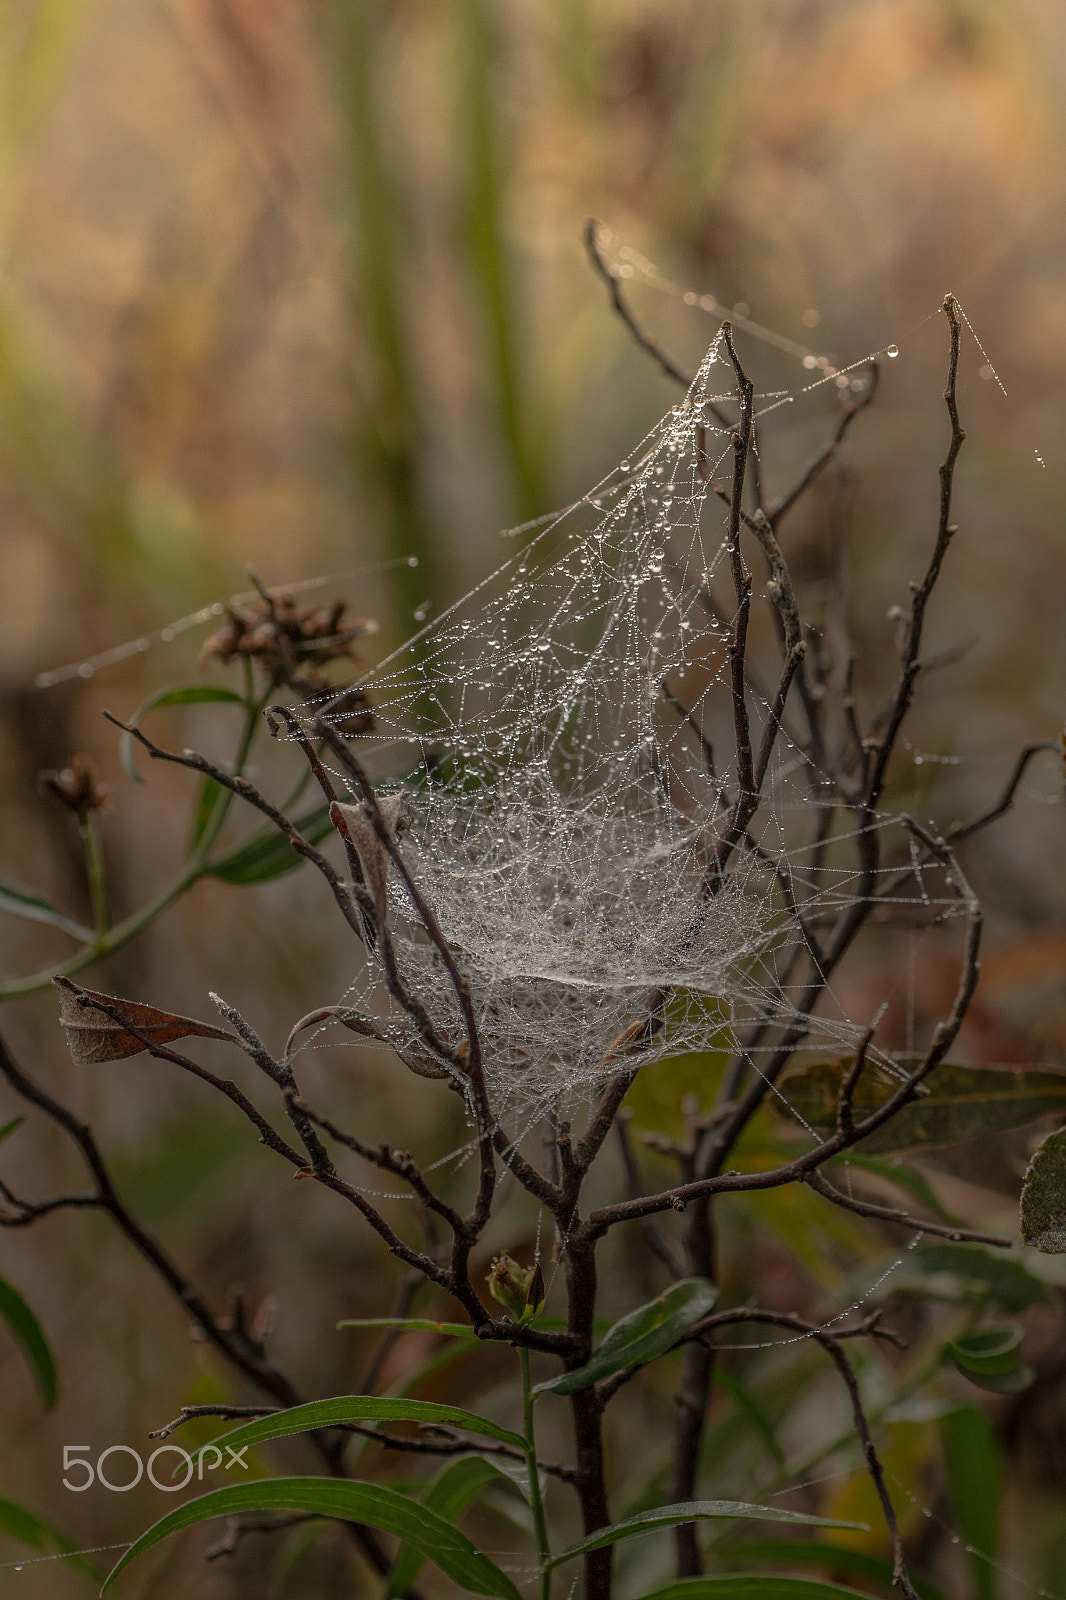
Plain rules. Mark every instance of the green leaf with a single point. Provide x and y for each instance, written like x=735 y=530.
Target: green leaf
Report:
x=207 y=803
x=453 y=1491
x=268 y=854
x=30 y=1335
x=9 y=1127
x=991 y=1358
x=961 y=1103
x=34 y=908
x=454 y=1330
x=641 y=1336
x=373 y=1504
x=360 y=1408
x=975 y=1481
x=25 y=1526
x=966 y=1275
x=754 y=1586
x=820 y=1553
x=187 y=695
x=1044 y=1196
x=695 y=1511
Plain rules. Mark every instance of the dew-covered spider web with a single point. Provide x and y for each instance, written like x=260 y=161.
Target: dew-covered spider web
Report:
x=564 y=741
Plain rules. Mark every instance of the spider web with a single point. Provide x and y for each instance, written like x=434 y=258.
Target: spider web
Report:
x=563 y=739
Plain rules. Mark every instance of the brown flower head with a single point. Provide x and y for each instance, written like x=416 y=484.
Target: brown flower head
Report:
x=75 y=786
x=290 y=643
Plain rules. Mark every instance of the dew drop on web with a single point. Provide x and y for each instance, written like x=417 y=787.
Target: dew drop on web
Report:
x=893 y=351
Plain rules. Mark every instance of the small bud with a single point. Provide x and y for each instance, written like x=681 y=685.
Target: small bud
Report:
x=519 y=1289
x=75 y=786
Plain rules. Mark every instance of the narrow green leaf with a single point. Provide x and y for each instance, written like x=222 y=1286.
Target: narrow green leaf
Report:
x=30 y=1335
x=452 y=1491
x=640 y=1337
x=29 y=1529
x=186 y=695
x=820 y=1553
x=754 y=1586
x=1044 y=1196
x=961 y=1102
x=975 y=1481
x=455 y=1330
x=207 y=802
x=35 y=908
x=9 y=1127
x=967 y=1274
x=695 y=1511
x=991 y=1358
x=370 y=1503
x=360 y=1408
x=268 y=854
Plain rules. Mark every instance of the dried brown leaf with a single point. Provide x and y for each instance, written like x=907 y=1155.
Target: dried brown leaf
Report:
x=358 y=824
x=93 y=1035
x=417 y=1060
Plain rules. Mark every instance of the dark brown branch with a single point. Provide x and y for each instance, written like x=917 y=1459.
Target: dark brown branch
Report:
x=845 y=1118
x=452 y=1443
x=397 y=1162
x=784 y=502
x=229 y=1413
x=622 y=310
x=910 y=663
x=866 y=1208
x=352 y=901
x=237 y=1528
x=831 y=1344
x=473 y=1063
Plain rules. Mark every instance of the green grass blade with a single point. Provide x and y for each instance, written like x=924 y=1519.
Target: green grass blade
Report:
x=29 y=1335
x=694 y=1511
x=372 y=1504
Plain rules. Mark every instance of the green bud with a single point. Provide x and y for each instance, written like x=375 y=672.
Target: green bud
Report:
x=519 y=1289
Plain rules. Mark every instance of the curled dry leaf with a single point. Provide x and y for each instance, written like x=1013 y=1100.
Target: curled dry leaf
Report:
x=94 y=1034
x=418 y=1061
x=357 y=824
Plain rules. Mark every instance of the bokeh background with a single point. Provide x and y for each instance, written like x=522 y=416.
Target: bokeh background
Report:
x=302 y=286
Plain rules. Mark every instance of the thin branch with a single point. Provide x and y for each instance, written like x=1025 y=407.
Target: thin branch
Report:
x=353 y=902
x=784 y=502
x=229 y=1413
x=831 y=1344
x=866 y=1208
x=921 y=592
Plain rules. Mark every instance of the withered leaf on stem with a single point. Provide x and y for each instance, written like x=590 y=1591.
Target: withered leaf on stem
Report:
x=418 y=1060
x=357 y=822
x=93 y=1035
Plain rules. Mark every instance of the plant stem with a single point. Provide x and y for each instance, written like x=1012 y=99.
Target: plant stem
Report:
x=108 y=938
x=540 y=1526
x=94 y=871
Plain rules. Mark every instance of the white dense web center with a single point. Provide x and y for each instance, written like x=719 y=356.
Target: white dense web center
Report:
x=568 y=920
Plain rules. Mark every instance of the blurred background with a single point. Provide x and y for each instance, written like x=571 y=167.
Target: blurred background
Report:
x=302 y=286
